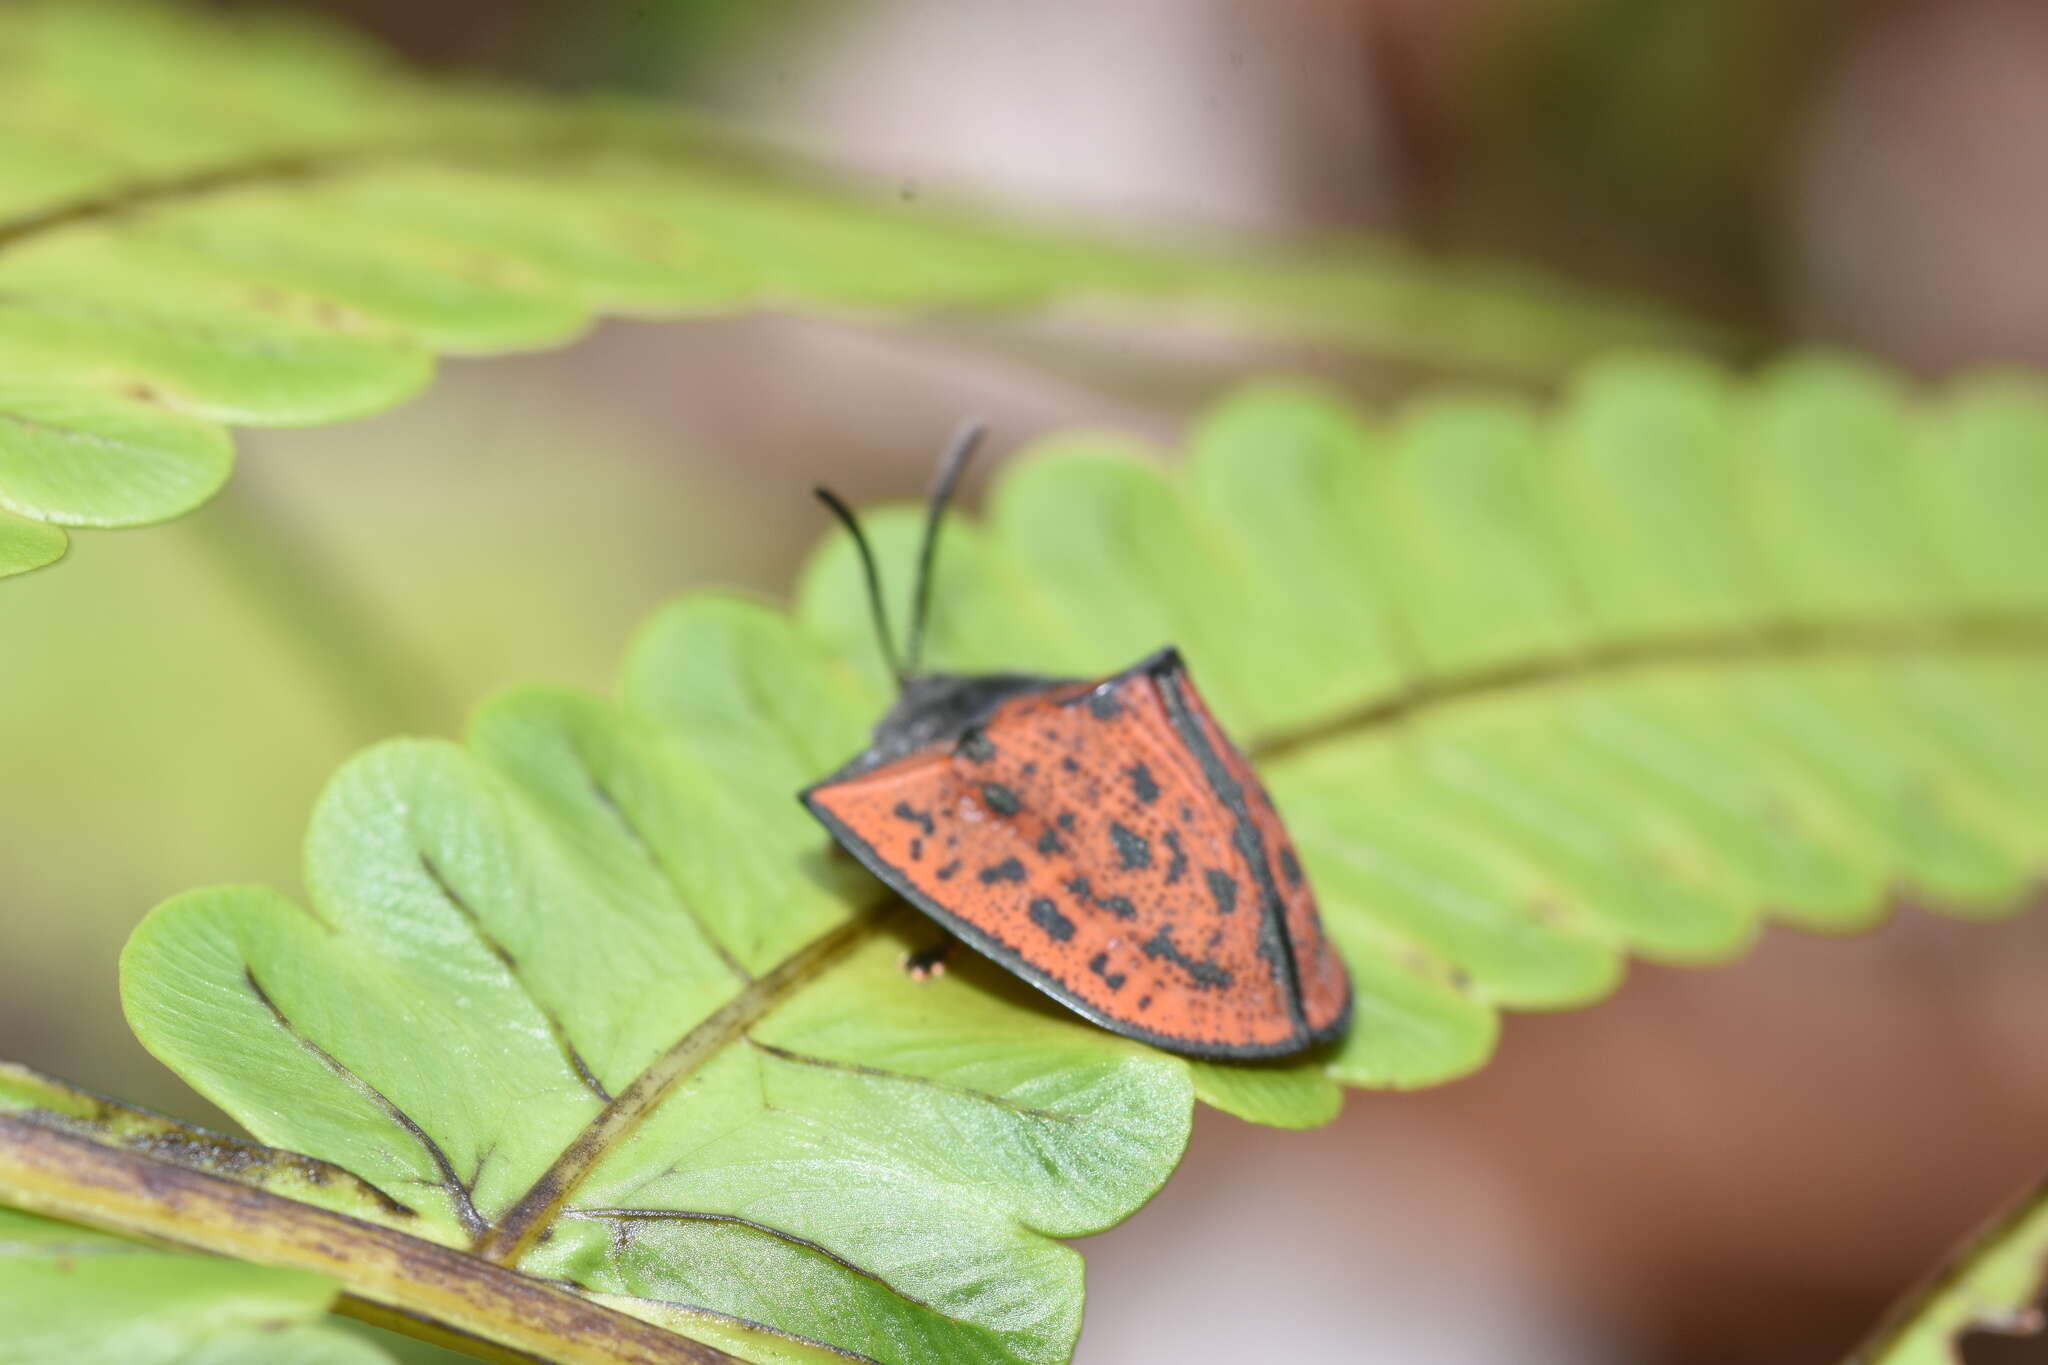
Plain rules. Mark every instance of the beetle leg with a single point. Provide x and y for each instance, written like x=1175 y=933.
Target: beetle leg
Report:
x=927 y=963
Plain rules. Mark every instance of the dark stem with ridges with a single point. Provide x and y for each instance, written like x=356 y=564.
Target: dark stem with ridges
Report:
x=411 y=1285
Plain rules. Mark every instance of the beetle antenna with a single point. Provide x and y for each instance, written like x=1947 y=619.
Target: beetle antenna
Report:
x=951 y=466
x=867 y=567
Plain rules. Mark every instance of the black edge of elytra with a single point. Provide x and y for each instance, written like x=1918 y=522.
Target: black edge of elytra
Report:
x=1159 y=665
x=1168 y=672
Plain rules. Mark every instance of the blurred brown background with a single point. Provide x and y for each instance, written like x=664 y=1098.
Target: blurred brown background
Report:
x=1737 y=1165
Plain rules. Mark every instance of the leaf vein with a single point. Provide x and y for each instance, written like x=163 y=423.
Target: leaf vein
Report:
x=458 y=1193
x=668 y=877
x=556 y=1028
x=751 y=1325
x=780 y=1234
x=909 y=1078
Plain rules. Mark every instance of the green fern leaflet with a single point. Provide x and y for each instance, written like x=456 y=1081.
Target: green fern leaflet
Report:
x=589 y=996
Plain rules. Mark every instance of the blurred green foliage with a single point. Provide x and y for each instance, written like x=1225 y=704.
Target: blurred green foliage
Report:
x=170 y=711
x=89 y=1299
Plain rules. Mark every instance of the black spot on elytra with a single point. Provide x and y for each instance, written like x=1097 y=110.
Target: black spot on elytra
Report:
x=1050 y=843
x=1142 y=785
x=1000 y=799
x=1119 y=906
x=1070 y=765
x=975 y=747
x=1028 y=770
x=1187 y=813
x=1008 y=870
x=1066 y=821
x=921 y=818
x=1047 y=916
x=1134 y=850
x=1205 y=974
x=1177 y=865
x=1144 y=1002
x=1099 y=964
x=1290 y=866
x=945 y=874
x=917 y=850
x=1223 y=887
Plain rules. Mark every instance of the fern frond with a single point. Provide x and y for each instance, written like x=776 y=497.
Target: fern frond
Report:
x=208 y=222
x=1536 y=691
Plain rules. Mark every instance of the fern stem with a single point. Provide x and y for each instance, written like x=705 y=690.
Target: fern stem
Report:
x=510 y=1237
x=378 y=686
x=2008 y=633
x=1947 y=1302
x=423 y=1289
